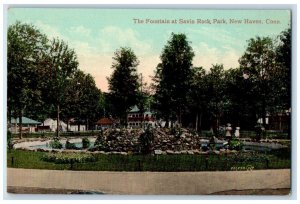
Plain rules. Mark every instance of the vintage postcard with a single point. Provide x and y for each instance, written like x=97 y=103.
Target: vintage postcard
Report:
x=149 y=101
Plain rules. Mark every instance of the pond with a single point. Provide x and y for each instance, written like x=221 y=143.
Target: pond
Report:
x=47 y=146
x=44 y=144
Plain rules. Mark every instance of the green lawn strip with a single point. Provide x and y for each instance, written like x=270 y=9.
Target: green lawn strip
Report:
x=33 y=160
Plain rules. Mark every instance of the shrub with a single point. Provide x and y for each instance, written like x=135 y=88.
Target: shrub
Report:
x=146 y=140
x=176 y=131
x=247 y=157
x=235 y=144
x=85 y=143
x=55 y=144
x=65 y=158
x=9 y=140
x=101 y=143
x=193 y=132
x=70 y=145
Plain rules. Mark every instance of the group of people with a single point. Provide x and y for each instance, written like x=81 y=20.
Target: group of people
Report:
x=229 y=131
x=259 y=129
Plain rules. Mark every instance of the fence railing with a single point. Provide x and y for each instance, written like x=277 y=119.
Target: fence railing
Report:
x=173 y=167
x=192 y=164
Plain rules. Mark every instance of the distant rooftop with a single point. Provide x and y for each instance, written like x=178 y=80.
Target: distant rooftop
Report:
x=105 y=121
x=135 y=109
x=26 y=121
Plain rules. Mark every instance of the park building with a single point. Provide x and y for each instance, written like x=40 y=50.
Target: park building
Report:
x=28 y=125
x=137 y=119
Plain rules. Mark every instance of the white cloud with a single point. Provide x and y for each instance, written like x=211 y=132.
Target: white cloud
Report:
x=206 y=55
x=80 y=30
x=216 y=35
x=112 y=38
x=50 y=31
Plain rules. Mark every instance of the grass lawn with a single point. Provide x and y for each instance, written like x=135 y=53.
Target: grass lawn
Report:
x=33 y=160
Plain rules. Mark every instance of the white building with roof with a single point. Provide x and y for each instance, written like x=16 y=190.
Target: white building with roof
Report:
x=137 y=119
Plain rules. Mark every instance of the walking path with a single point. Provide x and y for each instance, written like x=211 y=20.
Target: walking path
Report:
x=150 y=183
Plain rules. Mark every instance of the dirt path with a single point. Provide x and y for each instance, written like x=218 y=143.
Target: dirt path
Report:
x=151 y=183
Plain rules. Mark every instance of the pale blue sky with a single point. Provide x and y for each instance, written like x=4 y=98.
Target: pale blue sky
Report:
x=96 y=33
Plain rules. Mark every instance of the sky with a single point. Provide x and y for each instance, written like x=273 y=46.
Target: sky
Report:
x=95 y=34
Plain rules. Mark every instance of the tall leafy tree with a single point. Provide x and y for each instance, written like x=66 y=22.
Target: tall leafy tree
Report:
x=259 y=63
x=283 y=74
x=218 y=101
x=239 y=91
x=123 y=83
x=197 y=100
x=82 y=99
x=173 y=77
x=25 y=49
x=60 y=65
x=143 y=98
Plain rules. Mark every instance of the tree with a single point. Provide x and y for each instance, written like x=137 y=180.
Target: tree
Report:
x=123 y=83
x=259 y=63
x=283 y=75
x=146 y=140
x=25 y=49
x=173 y=77
x=82 y=99
x=143 y=98
x=240 y=93
x=197 y=100
x=218 y=102
x=162 y=97
x=60 y=65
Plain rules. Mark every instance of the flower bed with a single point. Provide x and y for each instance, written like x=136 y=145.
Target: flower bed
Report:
x=66 y=158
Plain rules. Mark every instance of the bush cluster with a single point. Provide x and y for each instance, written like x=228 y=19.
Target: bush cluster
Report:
x=100 y=143
x=55 y=144
x=235 y=144
x=85 y=143
x=66 y=158
x=146 y=140
x=9 y=140
x=70 y=145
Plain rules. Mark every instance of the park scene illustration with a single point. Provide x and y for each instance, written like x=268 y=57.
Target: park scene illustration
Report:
x=98 y=92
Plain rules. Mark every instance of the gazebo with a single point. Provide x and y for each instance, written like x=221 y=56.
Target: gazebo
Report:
x=105 y=123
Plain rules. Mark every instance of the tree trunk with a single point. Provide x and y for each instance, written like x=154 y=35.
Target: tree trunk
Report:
x=9 y=117
x=264 y=113
x=126 y=119
x=280 y=122
x=212 y=125
x=16 y=125
x=179 y=117
x=20 y=124
x=57 y=129
x=217 y=124
x=87 y=125
x=167 y=123
x=196 y=124
x=200 y=123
